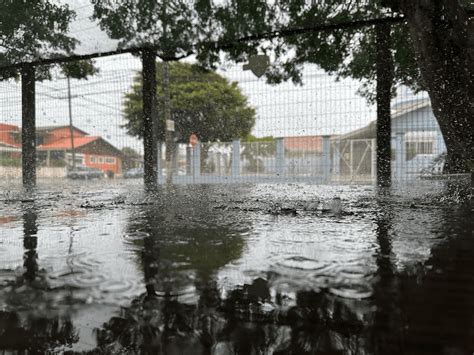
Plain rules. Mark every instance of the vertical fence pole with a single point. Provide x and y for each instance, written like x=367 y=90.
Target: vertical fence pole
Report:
x=197 y=160
x=373 y=161
x=159 y=153
x=400 y=155
x=71 y=127
x=174 y=158
x=351 y=160
x=189 y=154
x=236 y=158
x=326 y=158
x=280 y=157
x=336 y=159
x=384 y=68
x=149 y=126
x=28 y=129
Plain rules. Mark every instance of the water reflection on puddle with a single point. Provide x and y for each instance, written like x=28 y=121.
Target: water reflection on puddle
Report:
x=241 y=270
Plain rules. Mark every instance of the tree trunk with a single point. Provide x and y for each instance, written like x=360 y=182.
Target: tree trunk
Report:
x=443 y=37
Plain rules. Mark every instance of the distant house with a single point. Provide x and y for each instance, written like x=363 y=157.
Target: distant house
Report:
x=54 y=147
x=9 y=134
x=303 y=145
x=9 y=149
x=303 y=155
x=416 y=141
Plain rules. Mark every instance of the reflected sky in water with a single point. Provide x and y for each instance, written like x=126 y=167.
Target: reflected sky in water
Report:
x=288 y=269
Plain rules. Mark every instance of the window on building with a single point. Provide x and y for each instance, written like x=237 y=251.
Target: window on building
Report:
x=110 y=160
x=415 y=148
x=101 y=160
x=79 y=158
x=425 y=148
x=93 y=159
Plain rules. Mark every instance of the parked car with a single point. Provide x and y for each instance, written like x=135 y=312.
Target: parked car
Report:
x=419 y=163
x=435 y=168
x=84 y=173
x=134 y=173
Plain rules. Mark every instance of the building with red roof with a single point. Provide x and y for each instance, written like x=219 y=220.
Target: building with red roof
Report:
x=54 y=147
x=303 y=145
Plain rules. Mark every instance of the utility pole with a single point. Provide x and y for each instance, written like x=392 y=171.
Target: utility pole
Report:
x=71 y=128
x=169 y=124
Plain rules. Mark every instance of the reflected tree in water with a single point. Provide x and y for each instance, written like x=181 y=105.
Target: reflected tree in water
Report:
x=407 y=313
x=437 y=297
x=26 y=323
x=418 y=311
x=178 y=253
x=179 y=256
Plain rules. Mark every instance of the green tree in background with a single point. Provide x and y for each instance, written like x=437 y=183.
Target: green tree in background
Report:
x=254 y=149
x=202 y=102
x=131 y=158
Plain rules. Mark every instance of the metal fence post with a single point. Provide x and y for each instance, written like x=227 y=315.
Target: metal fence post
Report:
x=384 y=68
x=400 y=155
x=373 y=161
x=174 y=158
x=236 y=158
x=28 y=129
x=149 y=126
x=158 y=160
x=336 y=158
x=280 y=157
x=326 y=158
x=189 y=153
x=197 y=160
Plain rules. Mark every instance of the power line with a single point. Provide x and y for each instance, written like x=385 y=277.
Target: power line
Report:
x=78 y=104
x=215 y=45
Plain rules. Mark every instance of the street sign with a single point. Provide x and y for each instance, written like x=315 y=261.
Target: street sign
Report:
x=170 y=125
x=193 y=140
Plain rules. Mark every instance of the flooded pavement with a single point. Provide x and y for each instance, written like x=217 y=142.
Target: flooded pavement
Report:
x=266 y=269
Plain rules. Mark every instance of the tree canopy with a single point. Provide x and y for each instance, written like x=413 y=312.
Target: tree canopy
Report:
x=430 y=48
x=431 y=51
x=37 y=29
x=30 y=29
x=178 y=27
x=173 y=27
x=202 y=102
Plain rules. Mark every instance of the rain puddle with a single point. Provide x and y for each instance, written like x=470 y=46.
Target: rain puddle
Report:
x=267 y=269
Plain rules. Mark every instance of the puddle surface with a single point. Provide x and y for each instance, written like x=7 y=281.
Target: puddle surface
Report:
x=262 y=269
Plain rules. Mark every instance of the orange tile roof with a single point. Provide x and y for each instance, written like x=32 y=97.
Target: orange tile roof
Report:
x=9 y=127
x=65 y=143
x=308 y=143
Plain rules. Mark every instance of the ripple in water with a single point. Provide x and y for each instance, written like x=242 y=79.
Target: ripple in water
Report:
x=303 y=263
x=352 y=291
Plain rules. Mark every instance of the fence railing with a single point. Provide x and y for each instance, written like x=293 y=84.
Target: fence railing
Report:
x=333 y=160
